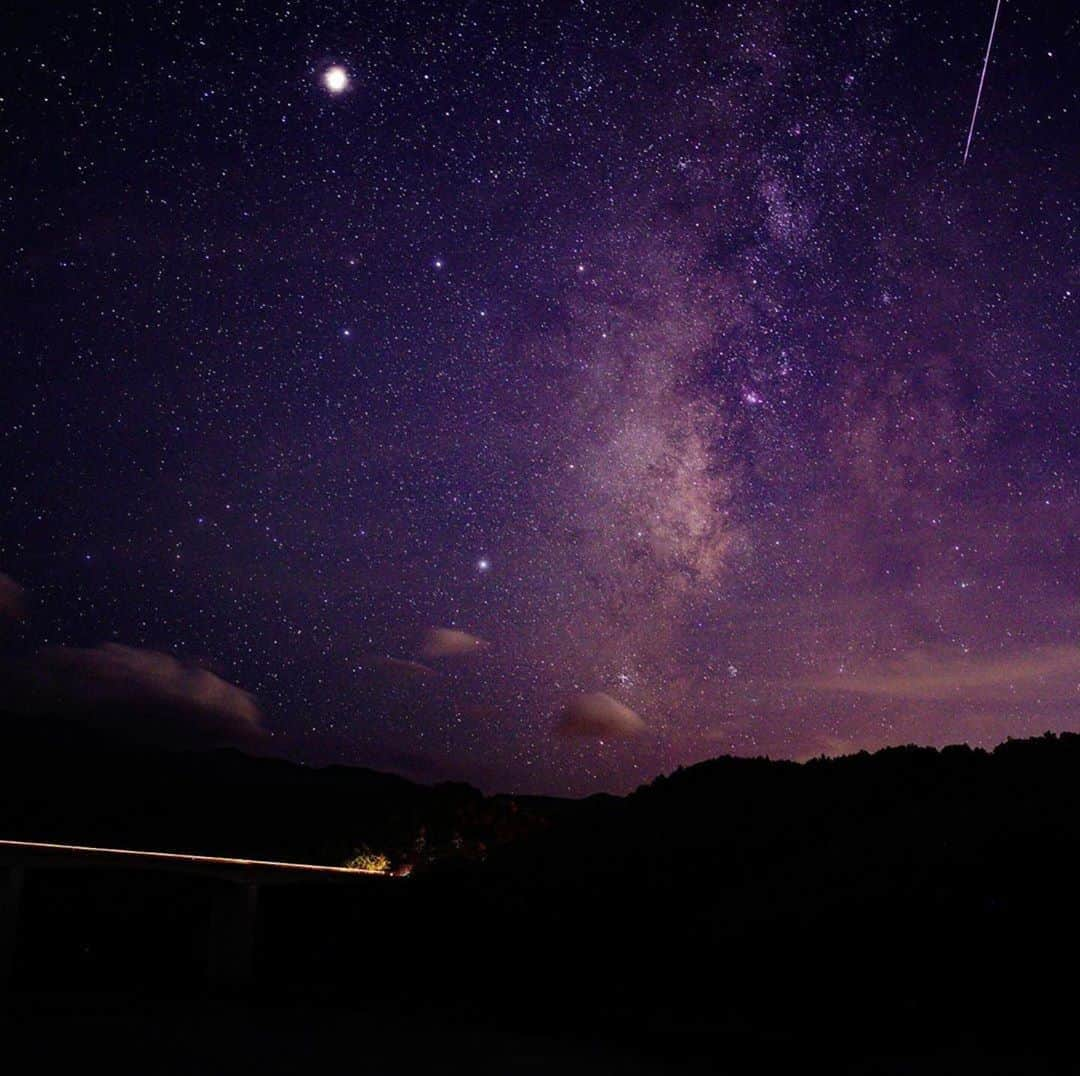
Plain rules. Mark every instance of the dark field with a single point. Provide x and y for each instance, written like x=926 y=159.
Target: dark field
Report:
x=912 y=911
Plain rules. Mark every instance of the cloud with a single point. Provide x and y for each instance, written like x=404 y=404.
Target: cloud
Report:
x=1052 y=671
x=400 y=668
x=12 y=599
x=597 y=715
x=151 y=695
x=448 y=643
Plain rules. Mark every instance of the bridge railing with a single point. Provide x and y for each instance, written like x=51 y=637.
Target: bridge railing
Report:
x=234 y=915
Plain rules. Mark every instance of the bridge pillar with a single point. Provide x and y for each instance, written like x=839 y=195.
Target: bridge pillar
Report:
x=12 y=877
x=232 y=937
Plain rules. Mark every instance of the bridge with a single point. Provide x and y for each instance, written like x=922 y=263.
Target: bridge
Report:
x=232 y=933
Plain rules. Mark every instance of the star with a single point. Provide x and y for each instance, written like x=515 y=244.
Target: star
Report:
x=336 y=79
x=726 y=404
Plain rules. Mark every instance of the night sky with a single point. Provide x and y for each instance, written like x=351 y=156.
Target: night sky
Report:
x=666 y=352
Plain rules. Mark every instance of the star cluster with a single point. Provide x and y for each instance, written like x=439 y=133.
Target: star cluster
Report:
x=666 y=353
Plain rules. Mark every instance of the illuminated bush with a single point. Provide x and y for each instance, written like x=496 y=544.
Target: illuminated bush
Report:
x=364 y=859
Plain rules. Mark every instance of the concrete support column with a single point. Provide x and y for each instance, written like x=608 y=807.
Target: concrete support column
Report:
x=12 y=879
x=232 y=937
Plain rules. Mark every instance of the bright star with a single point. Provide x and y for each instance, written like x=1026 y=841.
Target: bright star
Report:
x=336 y=79
x=483 y=564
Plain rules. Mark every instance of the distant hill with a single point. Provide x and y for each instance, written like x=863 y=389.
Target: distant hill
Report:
x=913 y=896
x=65 y=782
x=950 y=824
x=728 y=817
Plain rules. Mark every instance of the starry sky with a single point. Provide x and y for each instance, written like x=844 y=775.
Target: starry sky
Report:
x=548 y=394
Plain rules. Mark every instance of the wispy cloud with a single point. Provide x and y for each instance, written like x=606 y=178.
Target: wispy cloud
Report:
x=1045 y=672
x=12 y=599
x=596 y=715
x=449 y=643
x=144 y=692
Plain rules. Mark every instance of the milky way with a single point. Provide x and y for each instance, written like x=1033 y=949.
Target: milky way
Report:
x=662 y=355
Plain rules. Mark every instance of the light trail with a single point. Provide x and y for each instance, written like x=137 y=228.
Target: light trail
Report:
x=982 y=79
x=182 y=857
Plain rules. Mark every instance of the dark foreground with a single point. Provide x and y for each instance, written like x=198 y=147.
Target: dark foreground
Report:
x=66 y=1032
x=912 y=911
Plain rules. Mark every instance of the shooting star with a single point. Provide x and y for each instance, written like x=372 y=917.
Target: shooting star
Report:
x=982 y=79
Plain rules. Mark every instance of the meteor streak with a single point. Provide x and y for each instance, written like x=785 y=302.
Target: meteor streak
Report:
x=982 y=79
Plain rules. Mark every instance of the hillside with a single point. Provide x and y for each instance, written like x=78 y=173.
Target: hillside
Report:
x=67 y=784
x=914 y=895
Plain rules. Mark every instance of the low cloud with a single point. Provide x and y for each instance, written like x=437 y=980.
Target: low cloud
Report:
x=449 y=643
x=1046 y=672
x=596 y=715
x=400 y=668
x=12 y=599
x=150 y=695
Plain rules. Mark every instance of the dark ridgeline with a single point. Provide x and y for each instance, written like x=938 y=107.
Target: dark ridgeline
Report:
x=65 y=782
x=910 y=898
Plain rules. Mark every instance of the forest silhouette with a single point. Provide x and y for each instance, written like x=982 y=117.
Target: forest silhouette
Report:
x=913 y=892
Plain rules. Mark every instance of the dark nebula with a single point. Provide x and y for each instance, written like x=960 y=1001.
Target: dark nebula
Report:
x=431 y=368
